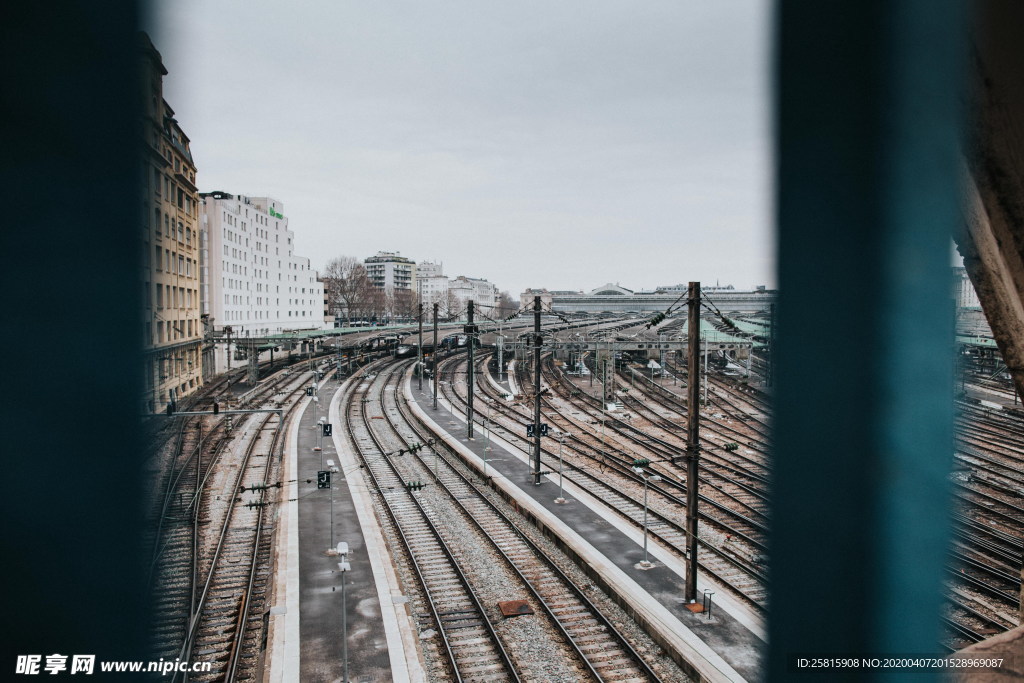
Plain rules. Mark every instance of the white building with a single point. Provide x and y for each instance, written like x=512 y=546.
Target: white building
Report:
x=252 y=279
x=963 y=290
x=480 y=291
x=390 y=271
x=432 y=285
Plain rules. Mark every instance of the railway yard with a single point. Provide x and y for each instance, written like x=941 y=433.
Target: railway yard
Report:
x=427 y=554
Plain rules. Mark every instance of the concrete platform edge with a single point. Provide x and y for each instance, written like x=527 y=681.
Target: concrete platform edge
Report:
x=511 y=374
x=283 y=651
x=400 y=632
x=691 y=653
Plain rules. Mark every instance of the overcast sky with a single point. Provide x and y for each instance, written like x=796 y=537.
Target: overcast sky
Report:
x=536 y=144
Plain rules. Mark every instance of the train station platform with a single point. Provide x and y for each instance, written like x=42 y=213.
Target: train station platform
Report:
x=725 y=646
x=305 y=636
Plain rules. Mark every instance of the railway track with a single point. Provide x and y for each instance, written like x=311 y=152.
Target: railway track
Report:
x=613 y=482
x=574 y=635
x=471 y=648
x=211 y=544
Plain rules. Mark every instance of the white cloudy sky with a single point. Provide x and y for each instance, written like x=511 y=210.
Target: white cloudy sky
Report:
x=536 y=144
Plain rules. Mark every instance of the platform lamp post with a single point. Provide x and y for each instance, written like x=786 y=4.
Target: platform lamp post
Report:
x=316 y=395
x=320 y=438
x=487 y=426
x=334 y=470
x=561 y=442
x=654 y=477
x=344 y=567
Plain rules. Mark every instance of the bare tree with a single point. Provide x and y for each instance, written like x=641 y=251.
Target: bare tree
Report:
x=347 y=286
x=376 y=303
x=506 y=305
x=452 y=304
x=405 y=303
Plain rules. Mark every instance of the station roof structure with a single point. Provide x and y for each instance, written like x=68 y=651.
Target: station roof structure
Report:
x=975 y=340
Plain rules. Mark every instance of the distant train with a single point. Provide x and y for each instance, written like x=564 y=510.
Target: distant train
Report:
x=409 y=350
x=456 y=341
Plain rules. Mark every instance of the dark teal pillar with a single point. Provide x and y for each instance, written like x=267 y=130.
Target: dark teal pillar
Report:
x=868 y=122
x=71 y=381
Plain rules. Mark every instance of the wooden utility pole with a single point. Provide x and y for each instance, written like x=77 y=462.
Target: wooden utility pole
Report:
x=536 y=389
x=469 y=378
x=433 y=358
x=692 y=438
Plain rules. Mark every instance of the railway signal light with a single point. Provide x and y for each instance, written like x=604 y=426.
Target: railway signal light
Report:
x=216 y=408
x=641 y=462
x=414 y=485
x=731 y=446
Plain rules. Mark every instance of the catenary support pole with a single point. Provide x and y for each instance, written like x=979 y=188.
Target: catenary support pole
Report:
x=419 y=349
x=433 y=358
x=536 y=390
x=692 y=438
x=470 y=339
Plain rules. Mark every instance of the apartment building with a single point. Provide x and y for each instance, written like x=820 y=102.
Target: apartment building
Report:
x=172 y=331
x=390 y=271
x=254 y=282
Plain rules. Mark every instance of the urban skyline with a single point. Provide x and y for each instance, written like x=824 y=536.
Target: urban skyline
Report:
x=567 y=145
